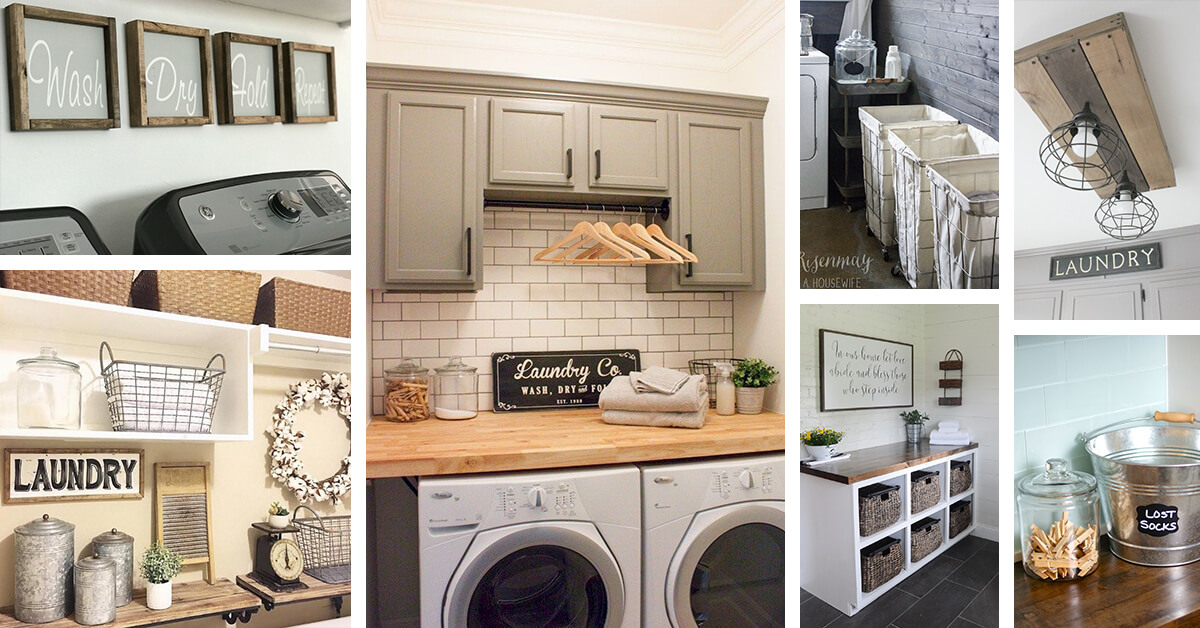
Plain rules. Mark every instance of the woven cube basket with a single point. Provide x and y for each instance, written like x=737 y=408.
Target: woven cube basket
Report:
x=225 y=295
x=303 y=307
x=99 y=286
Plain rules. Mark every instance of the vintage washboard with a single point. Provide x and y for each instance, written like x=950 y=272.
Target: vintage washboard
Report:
x=183 y=512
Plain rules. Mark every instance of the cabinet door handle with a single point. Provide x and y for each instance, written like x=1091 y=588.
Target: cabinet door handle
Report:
x=469 y=249
x=570 y=164
x=597 y=164
x=688 y=238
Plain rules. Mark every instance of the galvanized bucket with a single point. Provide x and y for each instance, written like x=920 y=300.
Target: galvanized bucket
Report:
x=1150 y=487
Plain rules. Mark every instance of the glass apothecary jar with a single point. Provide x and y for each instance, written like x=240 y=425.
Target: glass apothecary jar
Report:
x=456 y=391
x=1059 y=505
x=409 y=396
x=48 y=392
x=854 y=59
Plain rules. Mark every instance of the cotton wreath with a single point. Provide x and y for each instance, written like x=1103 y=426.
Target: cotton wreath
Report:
x=286 y=466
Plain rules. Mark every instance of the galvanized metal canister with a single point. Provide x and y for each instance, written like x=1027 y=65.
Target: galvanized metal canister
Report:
x=1150 y=486
x=95 y=590
x=43 y=570
x=119 y=547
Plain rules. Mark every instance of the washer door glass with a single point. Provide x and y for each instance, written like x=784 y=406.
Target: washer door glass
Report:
x=739 y=579
x=543 y=586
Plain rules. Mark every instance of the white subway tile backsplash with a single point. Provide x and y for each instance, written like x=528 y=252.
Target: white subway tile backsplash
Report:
x=581 y=327
x=439 y=329
x=511 y=256
x=530 y=344
x=457 y=347
x=564 y=309
x=647 y=326
x=419 y=311
x=456 y=311
x=710 y=325
x=599 y=275
x=400 y=330
x=476 y=329
x=529 y=309
x=500 y=274
x=630 y=309
x=678 y=326
x=531 y=239
x=508 y=220
x=529 y=274
x=663 y=343
x=515 y=328
x=695 y=309
x=631 y=275
x=564 y=274
x=512 y=291
x=549 y=221
x=564 y=344
x=599 y=309
x=580 y=292
x=665 y=309
x=488 y=346
x=494 y=310
x=614 y=327
x=615 y=292
x=721 y=308
x=497 y=237
x=546 y=292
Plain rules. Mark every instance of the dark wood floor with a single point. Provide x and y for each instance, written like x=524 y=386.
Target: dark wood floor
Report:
x=838 y=252
x=958 y=589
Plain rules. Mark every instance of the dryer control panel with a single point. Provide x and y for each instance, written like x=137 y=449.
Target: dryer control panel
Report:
x=48 y=231
x=555 y=500
x=744 y=481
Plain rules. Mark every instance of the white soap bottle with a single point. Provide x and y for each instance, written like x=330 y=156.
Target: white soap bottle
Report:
x=726 y=392
x=891 y=67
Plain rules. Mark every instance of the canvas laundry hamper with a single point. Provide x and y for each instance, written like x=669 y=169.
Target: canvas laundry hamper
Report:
x=966 y=209
x=912 y=150
x=876 y=122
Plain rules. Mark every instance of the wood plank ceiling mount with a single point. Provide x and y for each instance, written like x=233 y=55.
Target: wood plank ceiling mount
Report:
x=1096 y=64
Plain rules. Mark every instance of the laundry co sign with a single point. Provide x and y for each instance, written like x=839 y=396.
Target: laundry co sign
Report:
x=60 y=475
x=1130 y=259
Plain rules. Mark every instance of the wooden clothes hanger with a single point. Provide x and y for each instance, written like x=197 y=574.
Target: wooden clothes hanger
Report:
x=585 y=234
x=657 y=233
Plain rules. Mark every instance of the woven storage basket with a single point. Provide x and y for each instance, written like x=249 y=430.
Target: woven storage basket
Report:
x=926 y=490
x=926 y=536
x=878 y=507
x=302 y=307
x=960 y=517
x=100 y=286
x=224 y=295
x=881 y=561
x=960 y=476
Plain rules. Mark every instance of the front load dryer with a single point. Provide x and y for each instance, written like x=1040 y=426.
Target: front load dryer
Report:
x=713 y=543
x=546 y=549
x=814 y=130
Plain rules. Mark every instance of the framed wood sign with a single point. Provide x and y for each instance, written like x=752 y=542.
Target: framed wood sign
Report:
x=169 y=80
x=72 y=475
x=62 y=69
x=556 y=379
x=1115 y=261
x=309 y=84
x=861 y=372
x=249 y=74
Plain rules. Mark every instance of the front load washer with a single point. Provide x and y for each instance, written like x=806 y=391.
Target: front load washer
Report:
x=713 y=543
x=547 y=549
x=814 y=130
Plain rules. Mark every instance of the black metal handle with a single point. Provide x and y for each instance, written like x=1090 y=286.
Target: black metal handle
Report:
x=597 y=164
x=688 y=238
x=469 y=251
x=570 y=164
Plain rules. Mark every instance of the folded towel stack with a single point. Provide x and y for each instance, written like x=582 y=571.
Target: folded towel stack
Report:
x=667 y=398
x=948 y=433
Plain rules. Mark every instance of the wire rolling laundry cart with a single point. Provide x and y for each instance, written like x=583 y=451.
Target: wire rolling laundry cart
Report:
x=912 y=150
x=966 y=209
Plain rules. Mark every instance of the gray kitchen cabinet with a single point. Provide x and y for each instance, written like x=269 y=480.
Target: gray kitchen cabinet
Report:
x=1122 y=301
x=627 y=148
x=433 y=211
x=1173 y=299
x=1042 y=305
x=532 y=142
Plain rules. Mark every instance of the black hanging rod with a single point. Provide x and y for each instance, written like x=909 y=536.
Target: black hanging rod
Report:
x=662 y=210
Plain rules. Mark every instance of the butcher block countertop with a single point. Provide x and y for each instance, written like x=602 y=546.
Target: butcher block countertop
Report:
x=871 y=462
x=516 y=441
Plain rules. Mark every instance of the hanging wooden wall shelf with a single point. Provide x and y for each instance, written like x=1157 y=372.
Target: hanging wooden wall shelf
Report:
x=1097 y=64
x=952 y=362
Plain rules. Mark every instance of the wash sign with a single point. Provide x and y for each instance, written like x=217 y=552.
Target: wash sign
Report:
x=60 y=475
x=1130 y=259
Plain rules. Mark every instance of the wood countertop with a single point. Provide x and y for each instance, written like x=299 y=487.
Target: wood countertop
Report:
x=871 y=462
x=515 y=441
x=1117 y=594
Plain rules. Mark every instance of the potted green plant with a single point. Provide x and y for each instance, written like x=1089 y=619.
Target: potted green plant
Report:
x=821 y=442
x=914 y=421
x=752 y=378
x=159 y=565
x=277 y=515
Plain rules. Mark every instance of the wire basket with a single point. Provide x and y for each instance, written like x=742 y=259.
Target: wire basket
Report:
x=966 y=210
x=147 y=397
x=325 y=545
x=708 y=368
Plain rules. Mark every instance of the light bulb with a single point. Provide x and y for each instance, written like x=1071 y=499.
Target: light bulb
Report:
x=1084 y=143
x=1123 y=205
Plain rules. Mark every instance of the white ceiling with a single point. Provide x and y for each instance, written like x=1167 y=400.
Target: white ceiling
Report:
x=329 y=10
x=701 y=14
x=1163 y=33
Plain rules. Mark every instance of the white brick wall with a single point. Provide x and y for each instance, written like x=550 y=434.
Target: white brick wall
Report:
x=526 y=306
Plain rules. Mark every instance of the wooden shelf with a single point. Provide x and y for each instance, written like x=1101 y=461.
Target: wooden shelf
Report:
x=555 y=439
x=316 y=590
x=192 y=600
x=872 y=462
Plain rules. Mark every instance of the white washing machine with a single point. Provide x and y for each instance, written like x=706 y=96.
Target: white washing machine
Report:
x=713 y=543
x=814 y=130
x=546 y=549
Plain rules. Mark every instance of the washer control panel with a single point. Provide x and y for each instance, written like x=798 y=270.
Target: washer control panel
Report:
x=537 y=500
x=48 y=231
x=740 y=481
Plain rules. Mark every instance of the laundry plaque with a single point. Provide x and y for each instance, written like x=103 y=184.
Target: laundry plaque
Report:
x=556 y=379
x=62 y=475
x=1130 y=259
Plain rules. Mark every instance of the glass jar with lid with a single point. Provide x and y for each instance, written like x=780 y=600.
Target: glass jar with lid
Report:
x=408 y=396
x=854 y=59
x=456 y=391
x=48 y=392
x=1060 y=517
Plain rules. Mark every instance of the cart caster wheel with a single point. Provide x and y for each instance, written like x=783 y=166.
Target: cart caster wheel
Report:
x=887 y=257
x=896 y=270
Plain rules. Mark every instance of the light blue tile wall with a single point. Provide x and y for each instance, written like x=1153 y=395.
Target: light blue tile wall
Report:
x=1070 y=385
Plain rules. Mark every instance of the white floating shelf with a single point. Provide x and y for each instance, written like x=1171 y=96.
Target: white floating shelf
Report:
x=297 y=349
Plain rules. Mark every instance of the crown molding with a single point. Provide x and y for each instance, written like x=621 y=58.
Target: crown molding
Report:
x=461 y=24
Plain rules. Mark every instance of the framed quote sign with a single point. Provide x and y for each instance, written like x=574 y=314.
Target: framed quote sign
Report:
x=71 y=475
x=532 y=380
x=169 y=80
x=860 y=372
x=309 y=84
x=62 y=69
x=249 y=74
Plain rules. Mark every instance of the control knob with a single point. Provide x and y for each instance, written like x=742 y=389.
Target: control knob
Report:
x=750 y=479
x=537 y=496
x=286 y=204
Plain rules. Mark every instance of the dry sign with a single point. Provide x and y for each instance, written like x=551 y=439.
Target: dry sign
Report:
x=859 y=372
x=65 y=475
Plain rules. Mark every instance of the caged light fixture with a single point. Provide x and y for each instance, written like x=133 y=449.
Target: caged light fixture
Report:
x=1083 y=153
x=1126 y=215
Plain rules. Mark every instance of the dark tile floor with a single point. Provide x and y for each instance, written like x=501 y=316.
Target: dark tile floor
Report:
x=958 y=589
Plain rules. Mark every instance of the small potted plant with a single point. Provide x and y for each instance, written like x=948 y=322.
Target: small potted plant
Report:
x=277 y=516
x=752 y=378
x=914 y=421
x=821 y=442
x=159 y=565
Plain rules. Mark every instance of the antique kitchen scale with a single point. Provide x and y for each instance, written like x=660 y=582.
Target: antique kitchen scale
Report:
x=278 y=562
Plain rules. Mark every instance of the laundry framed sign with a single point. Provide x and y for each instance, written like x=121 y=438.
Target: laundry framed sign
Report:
x=70 y=475
x=557 y=379
x=169 y=80
x=861 y=372
x=249 y=75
